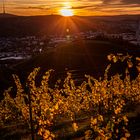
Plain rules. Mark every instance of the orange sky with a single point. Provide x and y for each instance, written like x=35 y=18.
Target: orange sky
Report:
x=79 y=7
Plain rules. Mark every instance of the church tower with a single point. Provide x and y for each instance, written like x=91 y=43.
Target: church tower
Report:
x=3 y=7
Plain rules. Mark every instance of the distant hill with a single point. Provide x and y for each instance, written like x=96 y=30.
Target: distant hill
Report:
x=6 y=15
x=55 y=24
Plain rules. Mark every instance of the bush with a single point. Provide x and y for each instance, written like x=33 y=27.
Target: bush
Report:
x=108 y=101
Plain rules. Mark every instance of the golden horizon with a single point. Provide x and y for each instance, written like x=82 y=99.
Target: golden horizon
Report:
x=70 y=8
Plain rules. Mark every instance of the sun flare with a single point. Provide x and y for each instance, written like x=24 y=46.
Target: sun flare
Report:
x=66 y=12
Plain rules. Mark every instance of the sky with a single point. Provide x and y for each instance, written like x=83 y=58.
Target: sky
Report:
x=78 y=7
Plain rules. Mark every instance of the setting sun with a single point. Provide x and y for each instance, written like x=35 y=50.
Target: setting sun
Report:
x=66 y=12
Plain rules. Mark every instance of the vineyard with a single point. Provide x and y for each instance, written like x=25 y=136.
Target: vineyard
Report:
x=98 y=109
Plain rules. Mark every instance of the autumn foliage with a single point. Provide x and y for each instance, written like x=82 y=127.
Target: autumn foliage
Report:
x=108 y=101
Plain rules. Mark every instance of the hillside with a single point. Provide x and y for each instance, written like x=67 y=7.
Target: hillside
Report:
x=80 y=58
x=55 y=24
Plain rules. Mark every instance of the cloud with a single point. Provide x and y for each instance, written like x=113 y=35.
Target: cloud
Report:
x=111 y=1
x=38 y=7
x=81 y=7
x=41 y=7
x=131 y=1
x=121 y=1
